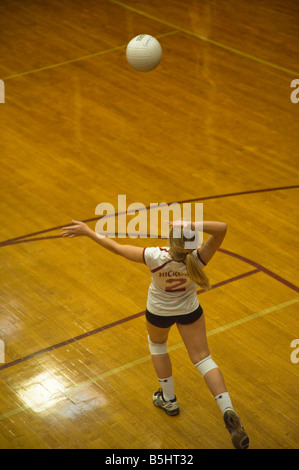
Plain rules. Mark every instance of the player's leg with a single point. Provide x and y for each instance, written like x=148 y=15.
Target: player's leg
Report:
x=165 y=397
x=157 y=338
x=195 y=339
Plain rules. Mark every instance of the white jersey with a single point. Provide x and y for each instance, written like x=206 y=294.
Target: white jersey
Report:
x=171 y=291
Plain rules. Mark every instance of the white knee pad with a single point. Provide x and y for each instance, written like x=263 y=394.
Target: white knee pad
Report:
x=157 y=348
x=206 y=365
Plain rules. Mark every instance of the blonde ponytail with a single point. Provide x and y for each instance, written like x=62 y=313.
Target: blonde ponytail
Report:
x=181 y=254
x=196 y=273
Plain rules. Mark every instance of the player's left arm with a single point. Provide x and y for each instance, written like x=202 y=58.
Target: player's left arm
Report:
x=132 y=253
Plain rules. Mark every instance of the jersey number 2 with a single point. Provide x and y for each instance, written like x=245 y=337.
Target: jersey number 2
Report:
x=176 y=285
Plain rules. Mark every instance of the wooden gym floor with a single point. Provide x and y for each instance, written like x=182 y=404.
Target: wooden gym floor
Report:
x=214 y=123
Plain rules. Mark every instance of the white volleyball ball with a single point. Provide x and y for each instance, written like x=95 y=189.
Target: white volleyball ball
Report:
x=144 y=53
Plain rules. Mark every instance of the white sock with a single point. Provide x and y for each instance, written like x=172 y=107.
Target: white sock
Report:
x=167 y=388
x=224 y=402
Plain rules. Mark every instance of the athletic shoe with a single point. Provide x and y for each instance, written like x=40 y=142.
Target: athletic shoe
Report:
x=233 y=424
x=170 y=407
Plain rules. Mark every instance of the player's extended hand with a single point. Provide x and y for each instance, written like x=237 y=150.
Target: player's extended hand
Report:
x=75 y=230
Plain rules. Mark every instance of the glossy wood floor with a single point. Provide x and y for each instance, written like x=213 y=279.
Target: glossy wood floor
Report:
x=214 y=123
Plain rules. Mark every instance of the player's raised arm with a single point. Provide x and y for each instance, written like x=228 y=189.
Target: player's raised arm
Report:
x=216 y=230
x=132 y=253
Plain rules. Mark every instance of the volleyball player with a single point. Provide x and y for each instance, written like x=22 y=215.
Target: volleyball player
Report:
x=176 y=271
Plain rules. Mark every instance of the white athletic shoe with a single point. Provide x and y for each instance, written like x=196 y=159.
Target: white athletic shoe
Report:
x=170 y=407
x=233 y=424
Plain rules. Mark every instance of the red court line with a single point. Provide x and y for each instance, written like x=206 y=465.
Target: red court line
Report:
x=109 y=325
x=260 y=268
x=205 y=198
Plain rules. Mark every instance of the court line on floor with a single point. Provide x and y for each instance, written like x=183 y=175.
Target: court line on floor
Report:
x=129 y=365
x=203 y=38
x=78 y=59
x=110 y=325
x=257 y=266
x=260 y=268
x=21 y=238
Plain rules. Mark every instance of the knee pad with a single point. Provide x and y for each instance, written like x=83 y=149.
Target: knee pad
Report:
x=206 y=365
x=157 y=348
